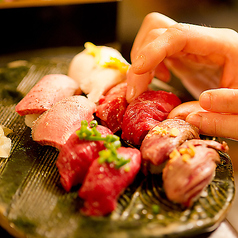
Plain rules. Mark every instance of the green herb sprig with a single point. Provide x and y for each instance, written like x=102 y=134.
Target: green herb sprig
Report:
x=111 y=142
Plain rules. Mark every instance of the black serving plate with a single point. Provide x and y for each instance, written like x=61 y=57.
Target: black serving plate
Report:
x=33 y=203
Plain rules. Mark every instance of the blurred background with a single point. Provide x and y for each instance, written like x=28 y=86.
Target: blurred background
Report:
x=31 y=28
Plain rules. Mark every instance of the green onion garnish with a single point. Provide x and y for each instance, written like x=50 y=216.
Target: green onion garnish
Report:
x=89 y=133
x=111 y=142
x=155 y=208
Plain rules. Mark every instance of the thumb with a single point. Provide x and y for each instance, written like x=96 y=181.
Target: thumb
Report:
x=215 y=124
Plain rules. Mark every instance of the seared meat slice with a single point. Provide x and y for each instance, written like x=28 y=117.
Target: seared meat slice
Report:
x=112 y=107
x=49 y=90
x=76 y=156
x=104 y=183
x=55 y=126
x=163 y=139
x=190 y=169
x=144 y=112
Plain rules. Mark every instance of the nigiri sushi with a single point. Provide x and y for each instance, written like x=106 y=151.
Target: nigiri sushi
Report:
x=162 y=139
x=190 y=169
x=97 y=69
x=145 y=112
x=76 y=156
x=105 y=181
x=111 y=108
x=49 y=90
x=57 y=124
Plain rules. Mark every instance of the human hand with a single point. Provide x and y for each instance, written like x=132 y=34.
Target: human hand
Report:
x=221 y=118
x=202 y=57
x=217 y=114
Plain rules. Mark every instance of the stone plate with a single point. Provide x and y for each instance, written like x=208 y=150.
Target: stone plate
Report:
x=33 y=203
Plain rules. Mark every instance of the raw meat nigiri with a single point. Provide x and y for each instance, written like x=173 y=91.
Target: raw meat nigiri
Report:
x=190 y=169
x=163 y=139
x=112 y=107
x=56 y=125
x=49 y=90
x=76 y=156
x=104 y=183
x=144 y=112
x=97 y=69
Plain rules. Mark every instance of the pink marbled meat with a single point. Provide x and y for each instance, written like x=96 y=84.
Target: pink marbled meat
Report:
x=184 y=180
x=156 y=147
x=76 y=156
x=56 y=125
x=49 y=90
x=104 y=183
x=144 y=113
x=112 y=107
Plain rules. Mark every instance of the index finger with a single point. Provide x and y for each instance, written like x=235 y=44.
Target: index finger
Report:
x=181 y=38
x=152 y=21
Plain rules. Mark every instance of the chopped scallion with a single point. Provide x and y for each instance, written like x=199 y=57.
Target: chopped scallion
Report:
x=111 y=142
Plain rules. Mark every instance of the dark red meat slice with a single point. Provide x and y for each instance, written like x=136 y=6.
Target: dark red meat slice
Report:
x=76 y=156
x=144 y=112
x=104 y=183
x=184 y=178
x=163 y=139
x=112 y=107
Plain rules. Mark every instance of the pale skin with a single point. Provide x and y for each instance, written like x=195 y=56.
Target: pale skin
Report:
x=204 y=58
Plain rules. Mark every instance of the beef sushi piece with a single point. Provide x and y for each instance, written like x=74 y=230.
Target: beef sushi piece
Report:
x=76 y=156
x=190 y=169
x=105 y=182
x=56 y=125
x=162 y=140
x=145 y=112
x=97 y=69
x=112 y=107
x=49 y=90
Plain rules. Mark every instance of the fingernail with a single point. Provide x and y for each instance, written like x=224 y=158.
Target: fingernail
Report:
x=205 y=100
x=139 y=62
x=130 y=93
x=195 y=119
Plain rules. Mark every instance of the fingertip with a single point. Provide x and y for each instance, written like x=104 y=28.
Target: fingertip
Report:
x=137 y=84
x=205 y=100
x=130 y=93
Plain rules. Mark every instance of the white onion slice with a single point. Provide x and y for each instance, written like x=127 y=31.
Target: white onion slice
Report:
x=5 y=144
